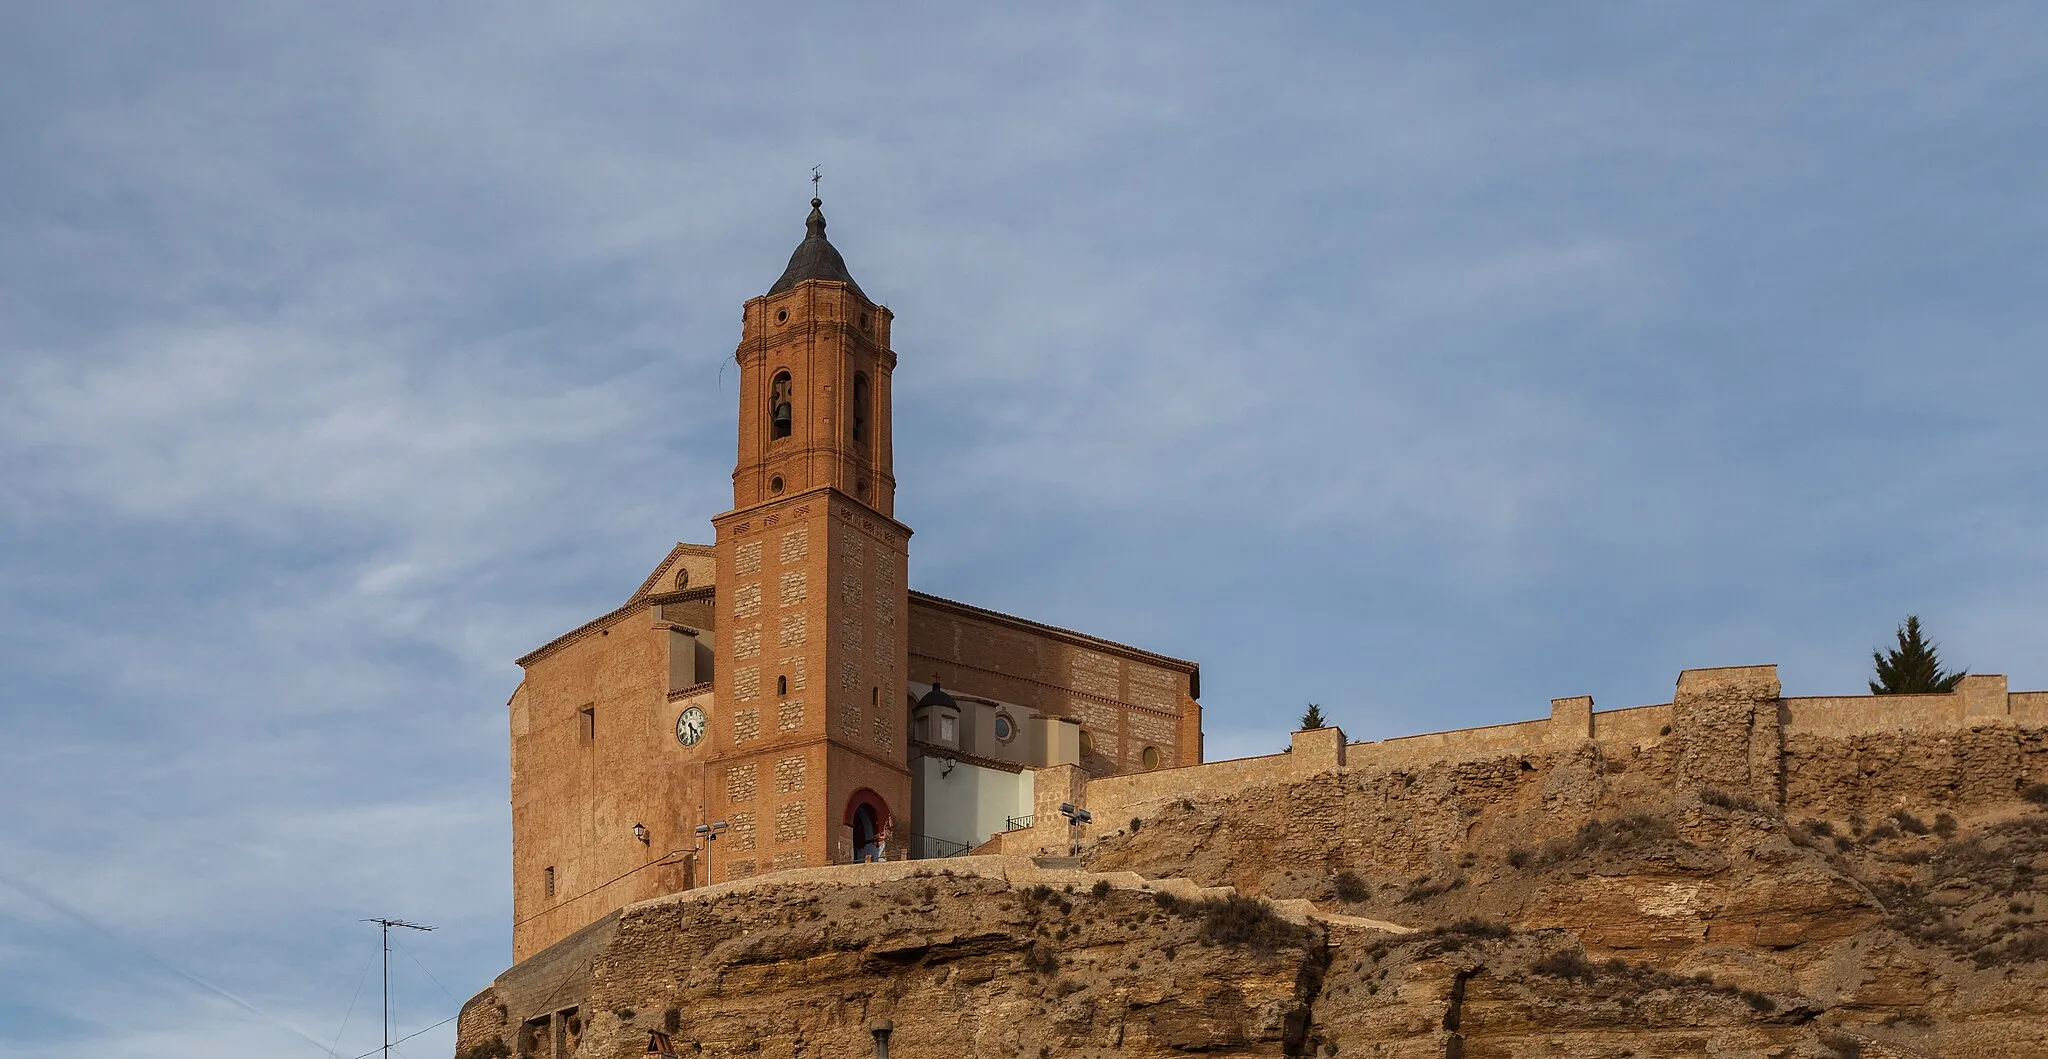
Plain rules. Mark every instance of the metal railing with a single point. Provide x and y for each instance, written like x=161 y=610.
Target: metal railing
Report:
x=1017 y=823
x=925 y=847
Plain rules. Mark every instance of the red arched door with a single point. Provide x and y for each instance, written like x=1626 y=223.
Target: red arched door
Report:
x=868 y=815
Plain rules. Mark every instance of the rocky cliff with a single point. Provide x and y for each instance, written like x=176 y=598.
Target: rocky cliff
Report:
x=1878 y=897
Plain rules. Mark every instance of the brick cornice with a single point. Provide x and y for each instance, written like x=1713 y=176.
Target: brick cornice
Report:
x=1061 y=688
x=608 y=618
x=681 y=549
x=937 y=750
x=1078 y=639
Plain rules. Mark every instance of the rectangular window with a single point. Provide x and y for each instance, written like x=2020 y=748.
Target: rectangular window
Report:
x=586 y=725
x=548 y=876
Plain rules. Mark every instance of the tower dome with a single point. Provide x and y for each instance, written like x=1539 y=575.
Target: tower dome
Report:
x=815 y=257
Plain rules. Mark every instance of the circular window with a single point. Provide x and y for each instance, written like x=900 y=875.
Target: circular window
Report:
x=1150 y=758
x=682 y=578
x=1006 y=730
x=782 y=316
x=1087 y=743
x=775 y=484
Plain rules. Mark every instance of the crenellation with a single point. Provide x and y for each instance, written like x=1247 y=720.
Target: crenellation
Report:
x=1726 y=728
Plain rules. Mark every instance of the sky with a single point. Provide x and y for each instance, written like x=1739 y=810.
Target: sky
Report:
x=1426 y=362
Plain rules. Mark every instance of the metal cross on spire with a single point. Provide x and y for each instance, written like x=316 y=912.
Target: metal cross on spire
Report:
x=815 y=177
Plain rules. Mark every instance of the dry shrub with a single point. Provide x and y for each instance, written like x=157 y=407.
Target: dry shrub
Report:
x=1721 y=799
x=1615 y=835
x=1423 y=888
x=1475 y=927
x=1247 y=922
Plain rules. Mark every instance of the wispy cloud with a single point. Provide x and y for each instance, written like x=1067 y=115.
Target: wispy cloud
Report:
x=1424 y=364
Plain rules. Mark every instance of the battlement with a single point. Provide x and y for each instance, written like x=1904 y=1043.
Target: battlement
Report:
x=1727 y=727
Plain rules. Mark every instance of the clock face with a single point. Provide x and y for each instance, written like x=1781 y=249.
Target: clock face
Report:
x=690 y=726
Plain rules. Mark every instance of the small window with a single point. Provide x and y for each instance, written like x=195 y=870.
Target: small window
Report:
x=1150 y=758
x=548 y=877
x=1006 y=729
x=781 y=405
x=586 y=725
x=875 y=697
x=782 y=685
x=1087 y=742
x=860 y=408
x=775 y=484
x=949 y=731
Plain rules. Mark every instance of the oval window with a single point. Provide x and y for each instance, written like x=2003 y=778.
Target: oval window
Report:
x=1150 y=757
x=1087 y=743
x=1005 y=729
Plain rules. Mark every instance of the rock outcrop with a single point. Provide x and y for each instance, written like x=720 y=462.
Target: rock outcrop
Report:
x=1875 y=895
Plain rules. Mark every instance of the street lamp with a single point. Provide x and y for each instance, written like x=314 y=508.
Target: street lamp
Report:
x=1075 y=818
x=707 y=834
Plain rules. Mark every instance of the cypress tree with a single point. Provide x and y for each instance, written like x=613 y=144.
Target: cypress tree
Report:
x=1913 y=667
x=1313 y=719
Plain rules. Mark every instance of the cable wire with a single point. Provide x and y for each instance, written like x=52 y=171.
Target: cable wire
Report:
x=664 y=860
x=93 y=924
x=360 y=979
x=410 y=1036
x=423 y=970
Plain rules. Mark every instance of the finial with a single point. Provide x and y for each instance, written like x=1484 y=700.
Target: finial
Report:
x=815 y=177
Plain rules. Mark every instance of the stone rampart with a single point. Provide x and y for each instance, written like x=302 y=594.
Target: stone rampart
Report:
x=1728 y=728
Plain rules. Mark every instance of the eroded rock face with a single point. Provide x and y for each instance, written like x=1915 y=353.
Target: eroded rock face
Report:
x=959 y=964
x=1572 y=903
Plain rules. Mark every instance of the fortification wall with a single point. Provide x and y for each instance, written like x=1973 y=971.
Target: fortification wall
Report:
x=1730 y=728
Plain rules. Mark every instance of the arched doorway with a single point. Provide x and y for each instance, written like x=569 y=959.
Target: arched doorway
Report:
x=868 y=817
x=866 y=835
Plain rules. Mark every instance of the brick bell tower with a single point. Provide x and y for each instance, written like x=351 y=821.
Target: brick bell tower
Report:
x=807 y=757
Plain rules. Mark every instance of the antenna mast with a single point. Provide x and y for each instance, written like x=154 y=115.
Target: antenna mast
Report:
x=386 y=925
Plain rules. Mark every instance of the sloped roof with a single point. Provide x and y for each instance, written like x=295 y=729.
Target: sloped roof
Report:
x=815 y=257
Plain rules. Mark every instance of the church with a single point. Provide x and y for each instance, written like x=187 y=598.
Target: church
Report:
x=781 y=698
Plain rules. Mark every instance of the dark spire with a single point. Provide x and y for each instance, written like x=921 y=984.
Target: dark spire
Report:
x=815 y=257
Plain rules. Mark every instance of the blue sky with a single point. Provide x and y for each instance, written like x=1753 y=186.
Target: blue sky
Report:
x=1424 y=362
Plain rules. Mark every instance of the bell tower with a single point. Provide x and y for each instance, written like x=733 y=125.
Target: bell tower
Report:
x=815 y=366
x=808 y=751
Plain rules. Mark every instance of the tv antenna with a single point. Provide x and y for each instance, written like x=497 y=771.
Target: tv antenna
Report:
x=386 y=925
